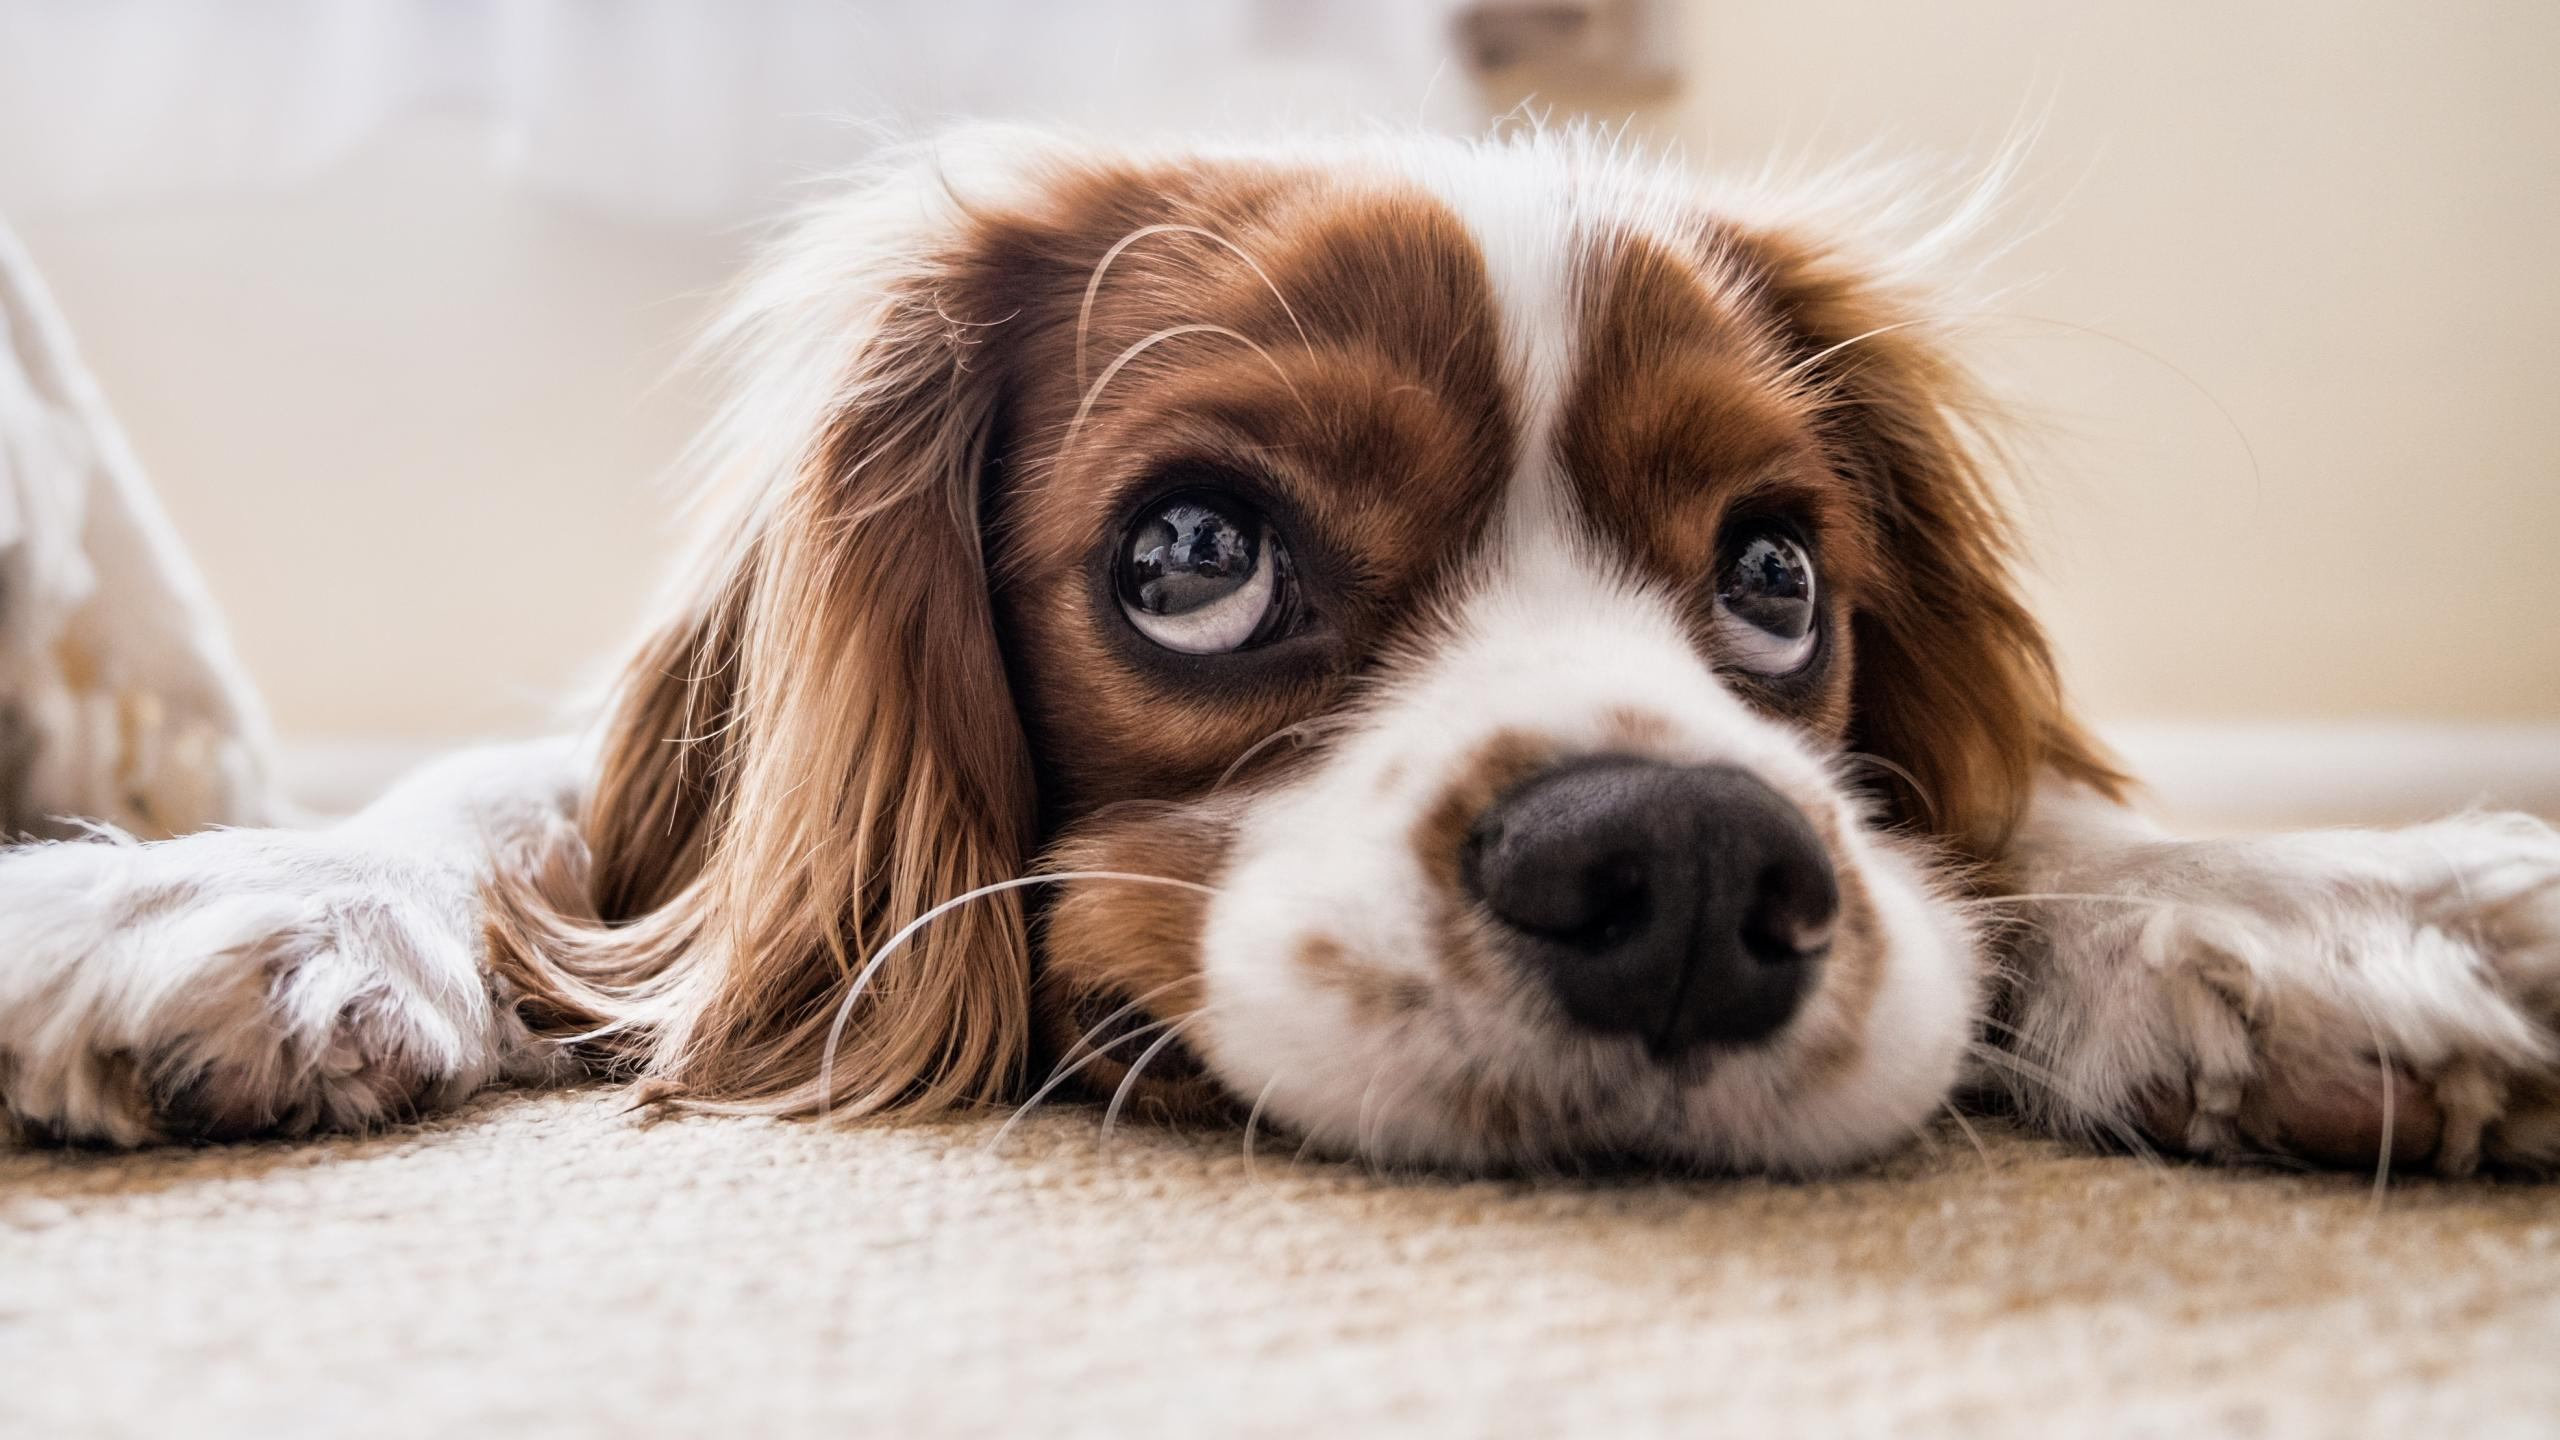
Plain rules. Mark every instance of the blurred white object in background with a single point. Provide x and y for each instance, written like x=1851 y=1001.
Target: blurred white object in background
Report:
x=663 y=108
x=120 y=699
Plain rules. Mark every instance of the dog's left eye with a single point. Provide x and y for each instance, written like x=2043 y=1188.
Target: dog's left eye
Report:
x=1204 y=574
x=1764 y=603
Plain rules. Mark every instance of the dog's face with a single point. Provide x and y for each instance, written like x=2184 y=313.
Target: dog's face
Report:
x=1442 y=612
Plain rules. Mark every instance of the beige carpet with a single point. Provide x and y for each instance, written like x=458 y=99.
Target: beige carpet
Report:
x=546 y=1264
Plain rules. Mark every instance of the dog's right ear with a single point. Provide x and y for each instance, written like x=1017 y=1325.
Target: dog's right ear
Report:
x=819 y=747
x=1956 y=687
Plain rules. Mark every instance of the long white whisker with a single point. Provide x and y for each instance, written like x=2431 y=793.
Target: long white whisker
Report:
x=1083 y=1053
x=1793 y=372
x=2390 y=1098
x=1086 y=1039
x=1120 y=1097
x=1252 y=1119
x=1901 y=772
x=1969 y=1132
x=1361 y=1134
x=2038 y=896
x=1076 y=426
x=1285 y=732
x=1065 y=1073
x=1093 y=285
x=2239 y=432
x=871 y=967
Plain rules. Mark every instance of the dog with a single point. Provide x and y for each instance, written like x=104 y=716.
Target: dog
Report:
x=1478 y=655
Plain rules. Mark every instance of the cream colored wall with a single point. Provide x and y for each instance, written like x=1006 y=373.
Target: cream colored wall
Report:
x=410 y=420
x=2329 y=227
x=411 y=423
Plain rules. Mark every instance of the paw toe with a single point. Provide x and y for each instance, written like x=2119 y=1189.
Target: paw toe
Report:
x=2346 y=1115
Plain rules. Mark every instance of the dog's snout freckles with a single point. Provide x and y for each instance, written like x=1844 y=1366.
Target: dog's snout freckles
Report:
x=1684 y=905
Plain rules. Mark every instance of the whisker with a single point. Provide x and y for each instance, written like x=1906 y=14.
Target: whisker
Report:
x=2453 y=870
x=2239 y=432
x=1086 y=1039
x=1360 y=1144
x=1065 y=1073
x=1093 y=285
x=1371 y=1122
x=1285 y=732
x=1969 y=1132
x=1796 y=371
x=1075 y=426
x=2034 y=897
x=2390 y=1095
x=1084 y=1052
x=1120 y=1097
x=879 y=957
x=1901 y=772
x=1252 y=1119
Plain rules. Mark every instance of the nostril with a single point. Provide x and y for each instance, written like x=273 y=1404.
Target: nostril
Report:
x=1795 y=912
x=1609 y=901
x=1780 y=941
x=1558 y=887
x=1621 y=900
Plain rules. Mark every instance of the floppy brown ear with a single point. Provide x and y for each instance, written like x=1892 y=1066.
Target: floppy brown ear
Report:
x=1954 y=683
x=820 y=745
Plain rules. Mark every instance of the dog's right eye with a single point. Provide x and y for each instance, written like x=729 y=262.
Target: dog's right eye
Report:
x=1204 y=574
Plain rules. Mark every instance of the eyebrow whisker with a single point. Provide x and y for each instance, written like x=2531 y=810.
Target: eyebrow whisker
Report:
x=1075 y=427
x=1093 y=285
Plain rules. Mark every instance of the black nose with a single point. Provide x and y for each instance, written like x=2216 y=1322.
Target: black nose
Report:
x=1682 y=905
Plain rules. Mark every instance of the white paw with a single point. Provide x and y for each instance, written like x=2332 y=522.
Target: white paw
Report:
x=232 y=983
x=2327 y=996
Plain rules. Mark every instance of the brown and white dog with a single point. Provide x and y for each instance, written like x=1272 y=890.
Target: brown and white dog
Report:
x=1475 y=654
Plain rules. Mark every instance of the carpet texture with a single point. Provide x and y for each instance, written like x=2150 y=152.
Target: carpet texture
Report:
x=548 y=1264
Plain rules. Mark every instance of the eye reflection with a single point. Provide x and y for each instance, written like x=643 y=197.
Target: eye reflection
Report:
x=1188 y=555
x=1765 y=603
x=1203 y=574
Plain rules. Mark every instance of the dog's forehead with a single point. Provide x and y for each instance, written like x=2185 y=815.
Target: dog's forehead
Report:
x=1634 y=362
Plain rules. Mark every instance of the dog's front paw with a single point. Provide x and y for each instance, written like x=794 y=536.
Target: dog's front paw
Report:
x=2328 y=996
x=233 y=983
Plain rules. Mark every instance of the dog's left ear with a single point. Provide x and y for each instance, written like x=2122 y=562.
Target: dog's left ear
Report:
x=1955 y=683
x=819 y=748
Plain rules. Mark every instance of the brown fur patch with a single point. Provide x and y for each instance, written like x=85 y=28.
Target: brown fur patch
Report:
x=1376 y=998
x=1638 y=731
x=1439 y=839
x=1114 y=945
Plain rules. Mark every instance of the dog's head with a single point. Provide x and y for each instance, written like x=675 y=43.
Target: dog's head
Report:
x=1492 y=644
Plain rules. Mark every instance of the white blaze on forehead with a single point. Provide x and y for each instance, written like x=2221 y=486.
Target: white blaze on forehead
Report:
x=1518 y=205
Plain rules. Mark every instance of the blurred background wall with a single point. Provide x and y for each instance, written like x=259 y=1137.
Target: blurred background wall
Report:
x=2280 y=320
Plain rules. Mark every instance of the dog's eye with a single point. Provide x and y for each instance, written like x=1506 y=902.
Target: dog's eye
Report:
x=1764 y=603
x=1203 y=574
